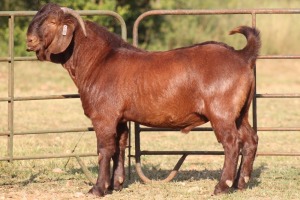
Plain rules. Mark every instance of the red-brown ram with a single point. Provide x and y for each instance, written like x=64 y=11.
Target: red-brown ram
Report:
x=181 y=88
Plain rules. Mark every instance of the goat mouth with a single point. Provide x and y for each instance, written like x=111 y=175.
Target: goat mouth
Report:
x=32 y=48
x=28 y=49
x=38 y=51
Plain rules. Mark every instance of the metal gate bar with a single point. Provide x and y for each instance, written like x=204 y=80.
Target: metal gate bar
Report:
x=139 y=129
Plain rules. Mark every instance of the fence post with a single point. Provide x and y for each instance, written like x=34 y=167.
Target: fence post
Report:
x=11 y=88
x=254 y=101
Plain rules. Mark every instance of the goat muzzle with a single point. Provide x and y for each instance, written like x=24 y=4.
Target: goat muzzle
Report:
x=31 y=42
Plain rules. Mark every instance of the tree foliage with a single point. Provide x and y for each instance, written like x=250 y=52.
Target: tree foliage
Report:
x=129 y=10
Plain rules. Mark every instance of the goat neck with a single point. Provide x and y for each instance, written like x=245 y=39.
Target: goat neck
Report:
x=86 y=53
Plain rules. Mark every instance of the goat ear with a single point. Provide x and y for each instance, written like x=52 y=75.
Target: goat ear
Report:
x=62 y=38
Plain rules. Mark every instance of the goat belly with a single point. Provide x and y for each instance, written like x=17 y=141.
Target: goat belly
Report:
x=164 y=119
x=166 y=103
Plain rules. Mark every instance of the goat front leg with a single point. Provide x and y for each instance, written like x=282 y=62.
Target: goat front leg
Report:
x=106 y=147
x=227 y=135
x=118 y=176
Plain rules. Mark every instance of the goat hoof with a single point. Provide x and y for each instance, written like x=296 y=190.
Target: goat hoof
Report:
x=118 y=187
x=117 y=184
x=115 y=187
x=221 y=188
x=96 y=191
x=241 y=183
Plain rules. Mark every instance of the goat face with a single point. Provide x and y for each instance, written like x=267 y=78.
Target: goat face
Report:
x=51 y=30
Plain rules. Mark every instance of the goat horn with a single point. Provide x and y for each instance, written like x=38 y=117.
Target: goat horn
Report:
x=77 y=16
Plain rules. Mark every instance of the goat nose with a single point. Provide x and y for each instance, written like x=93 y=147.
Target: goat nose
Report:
x=29 y=39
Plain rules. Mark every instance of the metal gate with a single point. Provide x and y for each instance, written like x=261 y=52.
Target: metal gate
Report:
x=11 y=98
x=138 y=129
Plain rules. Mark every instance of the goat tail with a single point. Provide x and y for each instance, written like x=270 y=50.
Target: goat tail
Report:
x=251 y=50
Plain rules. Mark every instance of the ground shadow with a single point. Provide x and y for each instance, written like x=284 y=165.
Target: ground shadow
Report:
x=195 y=175
x=31 y=179
x=154 y=173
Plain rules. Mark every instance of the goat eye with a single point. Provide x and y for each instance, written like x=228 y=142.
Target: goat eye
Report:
x=52 y=22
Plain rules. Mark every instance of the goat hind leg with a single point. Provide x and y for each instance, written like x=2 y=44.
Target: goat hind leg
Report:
x=118 y=176
x=227 y=135
x=249 y=147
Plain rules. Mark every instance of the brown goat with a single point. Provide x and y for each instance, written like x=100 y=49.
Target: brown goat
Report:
x=181 y=88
